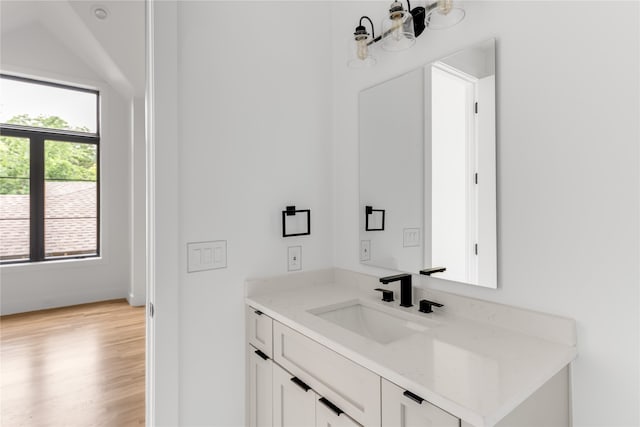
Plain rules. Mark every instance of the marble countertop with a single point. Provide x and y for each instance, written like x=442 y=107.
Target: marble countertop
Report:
x=475 y=370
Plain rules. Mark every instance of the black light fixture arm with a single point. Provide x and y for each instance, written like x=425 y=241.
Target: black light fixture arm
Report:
x=373 y=31
x=429 y=7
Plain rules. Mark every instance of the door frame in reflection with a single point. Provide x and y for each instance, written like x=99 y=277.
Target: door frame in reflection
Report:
x=454 y=192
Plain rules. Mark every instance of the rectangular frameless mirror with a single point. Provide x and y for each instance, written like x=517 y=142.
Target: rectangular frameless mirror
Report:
x=428 y=158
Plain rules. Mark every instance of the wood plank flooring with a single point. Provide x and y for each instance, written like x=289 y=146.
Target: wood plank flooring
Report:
x=73 y=366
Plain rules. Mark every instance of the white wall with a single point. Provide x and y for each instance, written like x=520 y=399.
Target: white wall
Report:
x=137 y=156
x=254 y=84
x=33 y=51
x=568 y=174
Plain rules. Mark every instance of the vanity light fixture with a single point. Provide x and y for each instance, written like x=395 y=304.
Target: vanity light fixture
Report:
x=400 y=28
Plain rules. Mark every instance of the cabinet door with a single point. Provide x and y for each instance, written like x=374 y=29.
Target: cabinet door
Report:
x=327 y=416
x=260 y=389
x=293 y=402
x=260 y=330
x=404 y=409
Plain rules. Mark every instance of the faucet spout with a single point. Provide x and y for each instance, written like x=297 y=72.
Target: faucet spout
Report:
x=405 y=287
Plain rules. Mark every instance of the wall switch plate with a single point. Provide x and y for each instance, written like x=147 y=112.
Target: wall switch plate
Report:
x=294 y=258
x=203 y=256
x=411 y=237
x=365 y=250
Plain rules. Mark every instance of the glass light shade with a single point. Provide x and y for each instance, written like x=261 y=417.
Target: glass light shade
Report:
x=361 y=54
x=444 y=15
x=397 y=29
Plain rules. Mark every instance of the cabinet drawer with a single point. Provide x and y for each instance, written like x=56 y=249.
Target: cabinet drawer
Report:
x=326 y=417
x=293 y=405
x=348 y=385
x=403 y=409
x=260 y=330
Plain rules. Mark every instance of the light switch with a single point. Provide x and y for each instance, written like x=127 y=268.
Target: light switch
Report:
x=411 y=237
x=206 y=255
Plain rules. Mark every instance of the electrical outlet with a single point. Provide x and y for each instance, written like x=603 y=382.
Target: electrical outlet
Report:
x=365 y=250
x=294 y=258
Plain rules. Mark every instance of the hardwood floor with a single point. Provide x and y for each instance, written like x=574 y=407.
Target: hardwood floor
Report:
x=73 y=366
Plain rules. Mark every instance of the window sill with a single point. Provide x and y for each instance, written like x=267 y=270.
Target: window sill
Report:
x=57 y=264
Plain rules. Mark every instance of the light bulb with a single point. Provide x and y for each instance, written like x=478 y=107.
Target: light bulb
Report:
x=444 y=6
x=360 y=54
x=363 y=49
x=397 y=27
x=445 y=15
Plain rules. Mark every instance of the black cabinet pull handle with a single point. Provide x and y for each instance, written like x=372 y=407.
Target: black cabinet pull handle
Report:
x=414 y=397
x=258 y=312
x=297 y=381
x=261 y=354
x=331 y=406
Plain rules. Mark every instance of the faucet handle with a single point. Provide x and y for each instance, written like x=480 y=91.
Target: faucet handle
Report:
x=426 y=305
x=387 y=295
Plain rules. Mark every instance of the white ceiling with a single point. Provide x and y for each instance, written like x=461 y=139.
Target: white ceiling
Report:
x=114 y=48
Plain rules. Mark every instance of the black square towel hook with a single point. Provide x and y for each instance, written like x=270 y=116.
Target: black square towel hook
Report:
x=292 y=211
x=370 y=212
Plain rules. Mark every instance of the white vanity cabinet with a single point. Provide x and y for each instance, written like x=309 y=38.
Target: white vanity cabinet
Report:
x=294 y=402
x=402 y=408
x=259 y=368
x=260 y=388
x=295 y=381
x=353 y=388
x=321 y=379
x=327 y=417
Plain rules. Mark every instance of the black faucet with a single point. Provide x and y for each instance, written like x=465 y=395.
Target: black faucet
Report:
x=405 y=287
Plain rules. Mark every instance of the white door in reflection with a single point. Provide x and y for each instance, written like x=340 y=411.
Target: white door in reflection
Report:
x=453 y=171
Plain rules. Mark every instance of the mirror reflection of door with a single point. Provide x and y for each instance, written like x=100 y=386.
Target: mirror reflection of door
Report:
x=453 y=169
x=460 y=166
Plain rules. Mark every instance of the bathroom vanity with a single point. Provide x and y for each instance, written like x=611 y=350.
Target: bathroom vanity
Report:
x=323 y=349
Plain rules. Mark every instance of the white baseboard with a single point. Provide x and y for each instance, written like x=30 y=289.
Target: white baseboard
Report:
x=136 y=301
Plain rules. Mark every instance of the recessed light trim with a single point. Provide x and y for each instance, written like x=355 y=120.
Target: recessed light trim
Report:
x=100 y=12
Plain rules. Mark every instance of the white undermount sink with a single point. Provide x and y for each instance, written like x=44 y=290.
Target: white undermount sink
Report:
x=369 y=321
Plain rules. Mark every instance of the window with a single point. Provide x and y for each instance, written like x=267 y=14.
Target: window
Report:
x=49 y=171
